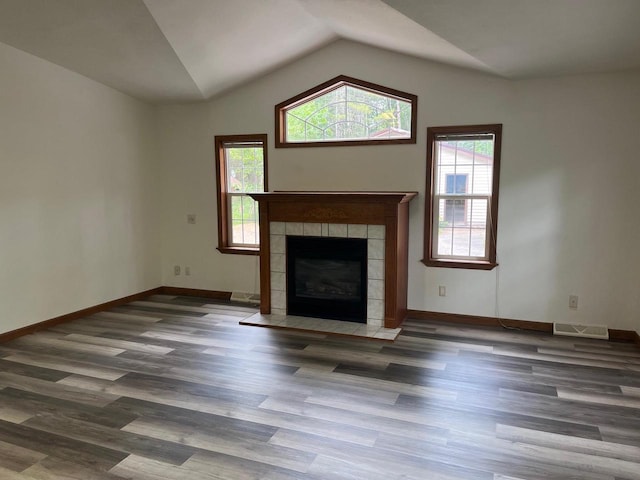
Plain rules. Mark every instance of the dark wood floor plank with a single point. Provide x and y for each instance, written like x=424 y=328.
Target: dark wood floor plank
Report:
x=36 y=404
x=56 y=390
x=116 y=439
x=379 y=458
x=174 y=388
x=17 y=458
x=228 y=466
x=55 y=468
x=240 y=447
x=7 y=474
x=568 y=443
x=26 y=370
x=14 y=413
x=355 y=421
x=60 y=446
x=121 y=344
x=191 y=420
x=65 y=361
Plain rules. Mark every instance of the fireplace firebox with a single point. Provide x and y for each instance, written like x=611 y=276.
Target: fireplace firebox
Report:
x=327 y=277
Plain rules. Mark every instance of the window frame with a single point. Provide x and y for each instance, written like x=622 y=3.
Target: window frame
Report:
x=431 y=210
x=223 y=193
x=329 y=86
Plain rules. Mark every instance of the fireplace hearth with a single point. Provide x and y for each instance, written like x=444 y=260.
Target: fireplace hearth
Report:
x=327 y=277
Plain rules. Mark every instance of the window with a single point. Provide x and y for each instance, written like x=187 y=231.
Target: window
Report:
x=241 y=164
x=346 y=111
x=455 y=210
x=463 y=169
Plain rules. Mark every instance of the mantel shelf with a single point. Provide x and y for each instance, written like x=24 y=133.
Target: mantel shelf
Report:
x=364 y=197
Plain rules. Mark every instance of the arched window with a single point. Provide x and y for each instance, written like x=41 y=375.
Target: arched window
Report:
x=346 y=111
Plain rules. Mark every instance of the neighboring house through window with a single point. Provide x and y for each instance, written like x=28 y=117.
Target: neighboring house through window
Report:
x=455 y=210
x=241 y=167
x=346 y=111
x=463 y=170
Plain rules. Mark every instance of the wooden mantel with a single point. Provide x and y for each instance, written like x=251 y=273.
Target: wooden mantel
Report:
x=390 y=209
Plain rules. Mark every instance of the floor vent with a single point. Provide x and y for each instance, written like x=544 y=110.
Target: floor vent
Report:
x=586 y=331
x=244 y=297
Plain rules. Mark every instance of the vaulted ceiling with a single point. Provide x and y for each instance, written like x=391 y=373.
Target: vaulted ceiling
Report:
x=190 y=50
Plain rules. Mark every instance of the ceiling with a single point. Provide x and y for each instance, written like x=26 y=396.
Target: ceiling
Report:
x=190 y=50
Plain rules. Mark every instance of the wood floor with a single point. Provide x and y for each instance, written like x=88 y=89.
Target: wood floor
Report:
x=175 y=388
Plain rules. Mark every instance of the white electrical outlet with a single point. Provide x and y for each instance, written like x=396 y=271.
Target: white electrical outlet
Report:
x=187 y=270
x=176 y=270
x=573 y=302
x=442 y=291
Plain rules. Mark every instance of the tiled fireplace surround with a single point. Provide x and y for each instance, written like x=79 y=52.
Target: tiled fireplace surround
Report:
x=375 y=261
x=380 y=217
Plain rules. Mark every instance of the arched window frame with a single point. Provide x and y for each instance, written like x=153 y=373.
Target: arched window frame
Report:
x=329 y=86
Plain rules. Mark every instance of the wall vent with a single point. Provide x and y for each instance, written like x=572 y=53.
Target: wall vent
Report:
x=244 y=297
x=586 y=331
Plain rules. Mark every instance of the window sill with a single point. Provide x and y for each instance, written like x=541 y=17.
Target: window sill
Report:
x=240 y=250
x=471 y=265
x=344 y=143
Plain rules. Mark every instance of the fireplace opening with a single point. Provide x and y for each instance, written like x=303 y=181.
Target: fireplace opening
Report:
x=327 y=278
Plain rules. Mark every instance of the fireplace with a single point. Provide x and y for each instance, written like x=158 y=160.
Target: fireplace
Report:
x=381 y=219
x=327 y=277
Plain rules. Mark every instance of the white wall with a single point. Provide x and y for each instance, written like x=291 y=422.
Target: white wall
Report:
x=78 y=192
x=570 y=198
x=568 y=184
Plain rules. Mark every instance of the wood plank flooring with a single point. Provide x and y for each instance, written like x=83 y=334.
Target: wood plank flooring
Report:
x=174 y=388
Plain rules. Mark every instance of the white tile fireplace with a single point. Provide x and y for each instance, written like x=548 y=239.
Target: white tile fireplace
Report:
x=374 y=234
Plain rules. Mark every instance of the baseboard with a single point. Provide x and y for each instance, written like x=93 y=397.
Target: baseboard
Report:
x=614 y=334
x=625 y=336
x=52 y=322
x=195 y=292
x=85 y=312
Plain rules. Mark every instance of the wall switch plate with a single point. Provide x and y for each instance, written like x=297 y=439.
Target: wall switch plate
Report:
x=442 y=291
x=187 y=270
x=573 y=302
x=176 y=270
x=191 y=218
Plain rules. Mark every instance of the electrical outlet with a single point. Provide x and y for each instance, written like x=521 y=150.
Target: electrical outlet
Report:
x=176 y=270
x=191 y=218
x=573 y=302
x=442 y=291
x=187 y=271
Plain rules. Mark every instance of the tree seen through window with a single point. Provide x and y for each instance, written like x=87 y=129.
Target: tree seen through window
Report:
x=346 y=111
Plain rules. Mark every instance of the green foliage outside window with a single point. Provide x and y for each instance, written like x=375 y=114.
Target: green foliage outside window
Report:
x=245 y=170
x=482 y=147
x=349 y=113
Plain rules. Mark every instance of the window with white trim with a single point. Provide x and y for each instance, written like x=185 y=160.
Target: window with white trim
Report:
x=463 y=171
x=241 y=162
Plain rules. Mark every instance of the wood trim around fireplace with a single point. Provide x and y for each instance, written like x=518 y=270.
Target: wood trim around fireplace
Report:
x=390 y=209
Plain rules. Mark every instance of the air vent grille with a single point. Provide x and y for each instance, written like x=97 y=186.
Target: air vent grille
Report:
x=587 y=331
